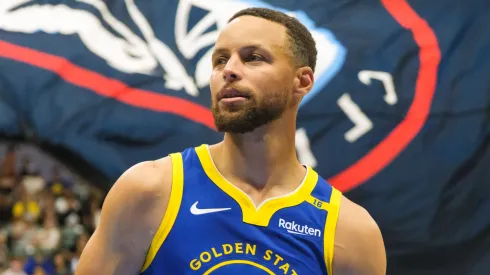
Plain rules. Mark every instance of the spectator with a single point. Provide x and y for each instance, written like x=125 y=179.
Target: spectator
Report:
x=7 y=165
x=58 y=184
x=26 y=208
x=3 y=251
x=40 y=271
x=49 y=235
x=27 y=167
x=45 y=223
x=15 y=268
x=33 y=184
x=66 y=206
x=80 y=245
x=7 y=193
x=39 y=264
x=19 y=237
x=61 y=266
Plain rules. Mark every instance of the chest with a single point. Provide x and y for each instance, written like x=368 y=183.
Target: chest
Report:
x=215 y=239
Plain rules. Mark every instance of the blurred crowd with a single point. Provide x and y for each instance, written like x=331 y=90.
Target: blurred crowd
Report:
x=45 y=221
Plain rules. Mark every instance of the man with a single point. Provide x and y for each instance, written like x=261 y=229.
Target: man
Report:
x=244 y=205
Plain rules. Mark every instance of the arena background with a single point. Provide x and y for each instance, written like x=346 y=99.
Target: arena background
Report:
x=398 y=119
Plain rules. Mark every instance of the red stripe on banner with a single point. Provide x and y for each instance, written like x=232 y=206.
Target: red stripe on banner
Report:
x=385 y=152
x=106 y=86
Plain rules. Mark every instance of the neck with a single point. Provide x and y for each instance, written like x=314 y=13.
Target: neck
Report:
x=262 y=157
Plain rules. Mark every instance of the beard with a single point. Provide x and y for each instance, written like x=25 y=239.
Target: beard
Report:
x=249 y=117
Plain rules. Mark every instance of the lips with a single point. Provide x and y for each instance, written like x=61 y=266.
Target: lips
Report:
x=231 y=93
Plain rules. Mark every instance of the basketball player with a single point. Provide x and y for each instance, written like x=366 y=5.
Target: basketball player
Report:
x=245 y=205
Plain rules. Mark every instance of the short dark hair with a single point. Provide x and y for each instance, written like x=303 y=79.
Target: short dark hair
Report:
x=301 y=42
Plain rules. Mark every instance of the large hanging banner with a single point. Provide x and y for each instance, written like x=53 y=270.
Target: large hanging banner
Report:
x=398 y=118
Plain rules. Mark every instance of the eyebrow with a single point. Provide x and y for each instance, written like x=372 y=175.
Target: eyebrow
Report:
x=248 y=47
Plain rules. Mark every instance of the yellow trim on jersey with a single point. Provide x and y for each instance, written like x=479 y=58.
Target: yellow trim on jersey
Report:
x=238 y=262
x=173 y=206
x=251 y=214
x=319 y=203
x=330 y=227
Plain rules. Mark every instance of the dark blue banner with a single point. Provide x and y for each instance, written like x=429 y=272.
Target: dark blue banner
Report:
x=398 y=118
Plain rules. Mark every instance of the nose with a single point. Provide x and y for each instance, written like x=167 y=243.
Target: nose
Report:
x=230 y=76
x=232 y=71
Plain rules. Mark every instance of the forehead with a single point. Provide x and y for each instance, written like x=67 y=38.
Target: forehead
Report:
x=246 y=30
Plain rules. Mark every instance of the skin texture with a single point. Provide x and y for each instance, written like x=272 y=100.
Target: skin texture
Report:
x=139 y=197
x=259 y=70
x=251 y=56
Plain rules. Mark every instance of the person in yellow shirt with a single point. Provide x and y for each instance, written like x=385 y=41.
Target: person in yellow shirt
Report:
x=27 y=208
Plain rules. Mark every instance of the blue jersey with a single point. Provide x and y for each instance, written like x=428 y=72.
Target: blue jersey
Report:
x=212 y=227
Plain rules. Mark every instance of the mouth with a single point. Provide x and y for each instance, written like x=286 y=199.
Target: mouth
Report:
x=232 y=94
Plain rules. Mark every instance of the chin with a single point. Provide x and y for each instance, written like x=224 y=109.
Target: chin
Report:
x=234 y=123
x=244 y=119
x=240 y=123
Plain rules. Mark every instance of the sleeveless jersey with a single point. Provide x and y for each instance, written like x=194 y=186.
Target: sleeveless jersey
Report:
x=212 y=227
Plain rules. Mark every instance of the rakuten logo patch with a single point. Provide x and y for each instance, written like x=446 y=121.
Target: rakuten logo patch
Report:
x=294 y=228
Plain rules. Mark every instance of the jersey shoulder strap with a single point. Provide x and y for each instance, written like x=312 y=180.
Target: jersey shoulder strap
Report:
x=173 y=207
x=327 y=198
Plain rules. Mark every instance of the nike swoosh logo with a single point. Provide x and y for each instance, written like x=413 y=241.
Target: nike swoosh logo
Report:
x=198 y=211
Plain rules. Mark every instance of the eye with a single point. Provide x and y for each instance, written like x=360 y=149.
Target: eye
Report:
x=219 y=61
x=256 y=57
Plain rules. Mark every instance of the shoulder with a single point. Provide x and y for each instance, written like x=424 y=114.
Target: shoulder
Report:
x=131 y=214
x=145 y=178
x=359 y=247
x=141 y=193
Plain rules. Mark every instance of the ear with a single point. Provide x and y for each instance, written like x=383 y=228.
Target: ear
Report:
x=304 y=81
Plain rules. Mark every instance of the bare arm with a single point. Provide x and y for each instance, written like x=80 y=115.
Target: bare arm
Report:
x=359 y=246
x=131 y=214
